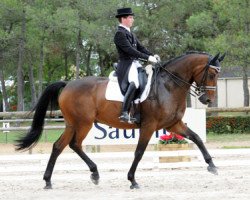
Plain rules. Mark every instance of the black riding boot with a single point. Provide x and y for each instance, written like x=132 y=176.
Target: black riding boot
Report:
x=128 y=98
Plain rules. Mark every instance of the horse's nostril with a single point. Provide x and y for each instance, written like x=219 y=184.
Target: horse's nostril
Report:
x=208 y=100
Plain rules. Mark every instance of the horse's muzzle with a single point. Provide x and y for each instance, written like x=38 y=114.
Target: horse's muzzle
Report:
x=204 y=99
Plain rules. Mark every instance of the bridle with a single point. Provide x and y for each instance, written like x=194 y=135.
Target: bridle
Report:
x=194 y=90
x=202 y=88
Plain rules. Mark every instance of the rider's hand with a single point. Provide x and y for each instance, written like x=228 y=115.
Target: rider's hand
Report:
x=149 y=69
x=157 y=57
x=152 y=59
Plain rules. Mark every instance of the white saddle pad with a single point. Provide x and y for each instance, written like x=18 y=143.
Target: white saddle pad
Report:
x=113 y=91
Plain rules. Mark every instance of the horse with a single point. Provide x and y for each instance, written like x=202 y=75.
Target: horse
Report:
x=82 y=102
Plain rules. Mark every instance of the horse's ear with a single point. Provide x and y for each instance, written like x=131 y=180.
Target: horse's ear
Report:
x=222 y=57
x=215 y=58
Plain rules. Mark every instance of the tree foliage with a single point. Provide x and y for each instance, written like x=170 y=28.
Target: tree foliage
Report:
x=42 y=41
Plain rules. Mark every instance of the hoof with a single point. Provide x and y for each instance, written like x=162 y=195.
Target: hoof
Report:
x=212 y=170
x=95 y=178
x=134 y=186
x=48 y=186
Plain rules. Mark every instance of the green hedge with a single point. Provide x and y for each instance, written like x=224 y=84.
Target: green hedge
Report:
x=222 y=125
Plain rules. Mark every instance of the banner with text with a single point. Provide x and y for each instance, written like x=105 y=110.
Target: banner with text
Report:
x=101 y=134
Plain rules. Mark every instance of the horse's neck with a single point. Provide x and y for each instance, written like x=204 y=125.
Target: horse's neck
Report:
x=178 y=81
x=187 y=68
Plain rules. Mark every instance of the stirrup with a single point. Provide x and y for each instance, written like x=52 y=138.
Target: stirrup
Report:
x=127 y=118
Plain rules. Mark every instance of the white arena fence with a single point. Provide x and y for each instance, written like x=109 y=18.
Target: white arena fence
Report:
x=103 y=135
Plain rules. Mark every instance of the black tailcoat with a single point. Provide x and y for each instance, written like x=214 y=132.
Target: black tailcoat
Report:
x=129 y=49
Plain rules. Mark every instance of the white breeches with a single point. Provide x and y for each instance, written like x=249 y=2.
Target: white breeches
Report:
x=133 y=73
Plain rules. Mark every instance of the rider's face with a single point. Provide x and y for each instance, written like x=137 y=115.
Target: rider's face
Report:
x=128 y=21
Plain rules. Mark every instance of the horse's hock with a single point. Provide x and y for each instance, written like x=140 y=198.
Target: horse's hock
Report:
x=174 y=147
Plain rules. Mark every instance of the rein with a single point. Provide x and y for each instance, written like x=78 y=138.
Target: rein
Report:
x=194 y=90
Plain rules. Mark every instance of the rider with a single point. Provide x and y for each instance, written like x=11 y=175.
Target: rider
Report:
x=130 y=51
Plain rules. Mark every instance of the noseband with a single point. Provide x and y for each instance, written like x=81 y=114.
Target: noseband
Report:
x=195 y=90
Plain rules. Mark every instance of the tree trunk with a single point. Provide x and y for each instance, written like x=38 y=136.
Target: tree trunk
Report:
x=32 y=86
x=245 y=67
x=245 y=85
x=40 y=70
x=100 y=63
x=6 y=106
x=78 y=47
x=66 y=65
x=102 y=56
x=247 y=25
x=88 y=72
x=20 y=81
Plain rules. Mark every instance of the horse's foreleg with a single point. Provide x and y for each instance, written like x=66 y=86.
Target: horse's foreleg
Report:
x=138 y=155
x=140 y=149
x=58 y=147
x=189 y=134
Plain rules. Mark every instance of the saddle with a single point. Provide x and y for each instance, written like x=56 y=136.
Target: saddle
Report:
x=113 y=91
x=142 y=77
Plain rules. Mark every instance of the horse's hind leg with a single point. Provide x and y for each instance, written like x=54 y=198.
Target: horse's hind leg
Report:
x=58 y=147
x=76 y=145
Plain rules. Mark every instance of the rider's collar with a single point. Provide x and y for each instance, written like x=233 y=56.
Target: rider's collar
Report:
x=128 y=29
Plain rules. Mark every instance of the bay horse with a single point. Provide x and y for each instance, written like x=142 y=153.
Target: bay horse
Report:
x=82 y=102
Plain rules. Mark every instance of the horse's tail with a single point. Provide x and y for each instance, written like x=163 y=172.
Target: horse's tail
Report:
x=48 y=97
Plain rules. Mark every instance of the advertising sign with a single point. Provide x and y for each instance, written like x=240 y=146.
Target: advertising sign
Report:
x=101 y=134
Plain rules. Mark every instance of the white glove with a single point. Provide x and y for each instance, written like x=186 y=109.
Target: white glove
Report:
x=149 y=69
x=152 y=59
x=157 y=57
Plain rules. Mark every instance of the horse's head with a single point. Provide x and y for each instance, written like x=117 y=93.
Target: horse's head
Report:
x=207 y=80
